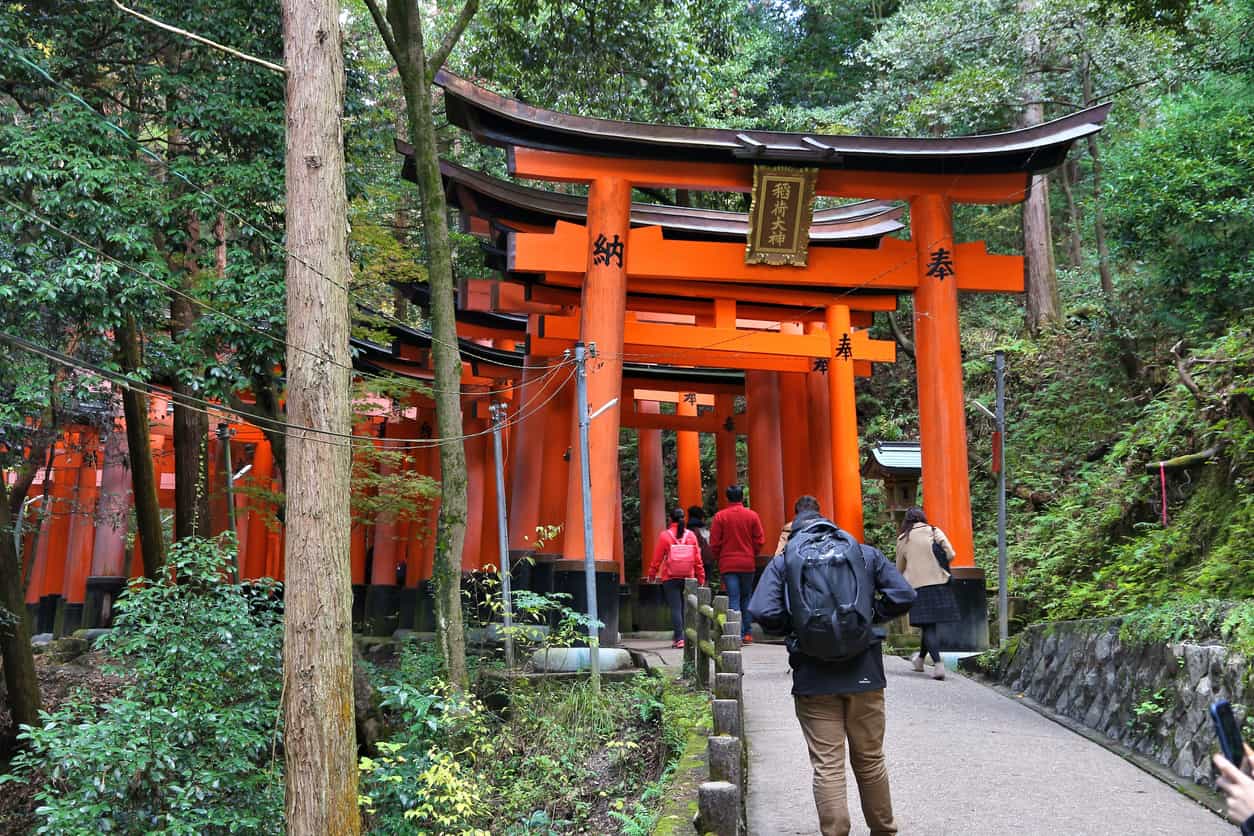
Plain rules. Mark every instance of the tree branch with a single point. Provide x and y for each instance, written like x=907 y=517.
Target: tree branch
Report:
x=438 y=57
x=907 y=345
x=385 y=31
x=243 y=56
x=1189 y=459
x=1182 y=367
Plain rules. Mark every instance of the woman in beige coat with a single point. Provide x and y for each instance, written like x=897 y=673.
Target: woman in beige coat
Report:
x=936 y=603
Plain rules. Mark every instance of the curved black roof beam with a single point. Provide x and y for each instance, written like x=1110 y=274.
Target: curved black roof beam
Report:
x=496 y=120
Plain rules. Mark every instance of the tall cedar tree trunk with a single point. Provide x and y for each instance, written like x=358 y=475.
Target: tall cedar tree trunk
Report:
x=1075 y=249
x=1099 y=220
x=1129 y=360
x=139 y=452
x=21 y=682
x=402 y=32
x=319 y=736
x=191 y=424
x=1038 y=243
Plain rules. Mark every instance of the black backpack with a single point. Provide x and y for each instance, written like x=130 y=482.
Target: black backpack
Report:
x=830 y=592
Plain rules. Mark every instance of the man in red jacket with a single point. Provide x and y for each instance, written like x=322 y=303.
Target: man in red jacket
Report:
x=736 y=538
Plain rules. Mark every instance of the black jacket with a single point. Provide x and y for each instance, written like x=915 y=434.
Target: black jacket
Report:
x=810 y=676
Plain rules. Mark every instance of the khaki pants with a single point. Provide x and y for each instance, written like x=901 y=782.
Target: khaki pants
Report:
x=826 y=721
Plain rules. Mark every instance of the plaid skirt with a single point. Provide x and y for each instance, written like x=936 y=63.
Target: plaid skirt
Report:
x=935 y=605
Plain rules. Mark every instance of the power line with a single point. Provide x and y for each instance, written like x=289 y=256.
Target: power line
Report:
x=41 y=219
x=209 y=408
x=200 y=190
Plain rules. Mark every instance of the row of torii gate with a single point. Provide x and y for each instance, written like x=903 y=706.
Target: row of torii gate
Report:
x=685 y=330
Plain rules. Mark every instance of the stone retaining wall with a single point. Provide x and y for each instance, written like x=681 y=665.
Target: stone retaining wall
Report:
x=1085 y=672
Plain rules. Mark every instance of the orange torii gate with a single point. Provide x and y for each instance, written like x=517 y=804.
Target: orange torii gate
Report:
x=612 y=257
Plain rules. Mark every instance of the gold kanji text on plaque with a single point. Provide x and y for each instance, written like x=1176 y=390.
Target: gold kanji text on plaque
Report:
x=780 y=215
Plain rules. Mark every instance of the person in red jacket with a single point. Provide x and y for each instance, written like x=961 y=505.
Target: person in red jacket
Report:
x=736 y=538
x=676 y=557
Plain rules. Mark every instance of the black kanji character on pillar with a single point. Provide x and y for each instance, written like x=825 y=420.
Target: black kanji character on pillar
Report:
x=729 y=424
x=820 y=364
x=603 y=250
x=690 y=397
x=942 y=264
x=844 y=349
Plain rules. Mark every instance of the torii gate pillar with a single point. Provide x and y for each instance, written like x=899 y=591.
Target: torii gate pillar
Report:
x=942 y=416
x=766 y=479
x=846 y=475
x=602 y=313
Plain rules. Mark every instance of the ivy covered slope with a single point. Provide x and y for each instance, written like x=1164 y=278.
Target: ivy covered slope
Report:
x=1086 y=534
x=1164 y=373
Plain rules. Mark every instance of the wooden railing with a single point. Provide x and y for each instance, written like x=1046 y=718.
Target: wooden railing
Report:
x=713 y=640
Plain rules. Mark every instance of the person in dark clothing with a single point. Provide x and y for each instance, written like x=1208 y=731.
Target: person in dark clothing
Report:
x=839 y=701
x=698 y=526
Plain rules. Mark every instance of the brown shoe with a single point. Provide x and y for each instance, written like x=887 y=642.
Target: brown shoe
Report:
x=938 y=672
x=917 y=663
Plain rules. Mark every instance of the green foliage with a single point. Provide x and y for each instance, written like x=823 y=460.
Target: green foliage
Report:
x=1145 y=714
x=1181 y=203
x=1231 y=622
x=563 y=741
x=562 y=757
x=642 y=59
x=189 y=745
x=425 y=776
x=1097 y=546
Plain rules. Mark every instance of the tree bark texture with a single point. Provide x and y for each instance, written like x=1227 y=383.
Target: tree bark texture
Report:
x=191 y=423
x=139 y=452
x=407 y=46
x=320 y=741
x=21 y=682
x=1038 y=242
x=1075 y=249
x=1099 y=220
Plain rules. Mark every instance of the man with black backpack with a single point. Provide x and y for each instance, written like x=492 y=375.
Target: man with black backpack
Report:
x=826 y=593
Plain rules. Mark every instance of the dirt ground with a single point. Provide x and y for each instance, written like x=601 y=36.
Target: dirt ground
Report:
x=58 y=682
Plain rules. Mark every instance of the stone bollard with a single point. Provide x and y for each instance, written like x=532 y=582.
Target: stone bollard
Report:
x=705 y=637
x=731 y=627
x=732 y=662
x=727 y=686
x=727 y=717
x=727 y=643
x=720 y=608
x=718 y=808
x=690 y=626
x=724 y=757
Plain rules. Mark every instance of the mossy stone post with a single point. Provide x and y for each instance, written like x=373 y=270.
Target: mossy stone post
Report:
x=720 y=614
x=724 y=757
x=718 y=808
x=691 y=652
x=705 y=639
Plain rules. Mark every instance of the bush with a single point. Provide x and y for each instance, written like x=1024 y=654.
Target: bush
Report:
x=189 y=745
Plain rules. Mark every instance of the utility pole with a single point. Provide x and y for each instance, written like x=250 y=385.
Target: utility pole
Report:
x=224 y=438
x=502 y=528
x=319 y=734
x=999 y=457
x=585 y=484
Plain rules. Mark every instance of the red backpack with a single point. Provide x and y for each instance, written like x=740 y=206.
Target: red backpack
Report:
x=682 y=557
